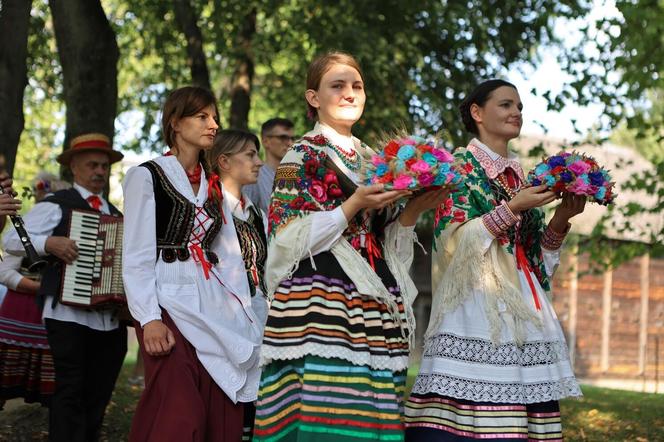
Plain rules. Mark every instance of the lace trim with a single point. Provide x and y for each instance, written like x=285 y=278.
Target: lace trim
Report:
x=497 y=392
x=483 y=351
x=492 y=167
x=393 y=363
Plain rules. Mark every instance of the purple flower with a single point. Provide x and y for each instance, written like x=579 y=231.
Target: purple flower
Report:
x=536 y=181
x=556 y=161
x=566 y=177
x=596 y=178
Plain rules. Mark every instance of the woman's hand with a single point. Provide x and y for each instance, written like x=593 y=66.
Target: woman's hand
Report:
x=158 y=339
x=530 y=197
x=420 y=204
x=571 y=206
x=371 y=197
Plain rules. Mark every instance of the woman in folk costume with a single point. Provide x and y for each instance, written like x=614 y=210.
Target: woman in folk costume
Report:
x=336 y=342
x=199 y=316
x=26 y=363
x=495 y=360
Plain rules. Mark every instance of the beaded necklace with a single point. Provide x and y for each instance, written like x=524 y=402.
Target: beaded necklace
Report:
x=502 y=182
x=349 y=159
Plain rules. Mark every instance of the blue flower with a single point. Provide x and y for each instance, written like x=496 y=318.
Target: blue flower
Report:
x=584 y=178
x=400 y=165
x=536 y=181
x=566 y=177
x=541 y=169
x=381 y=169
x=601 y=193
x=406 y=152
x=550 y=180
x=430 y=159
x=596 y=178
x=556 y=161
x=439 y=180
x=444 y=168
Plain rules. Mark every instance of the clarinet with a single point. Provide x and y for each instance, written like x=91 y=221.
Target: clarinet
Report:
x=35 y=262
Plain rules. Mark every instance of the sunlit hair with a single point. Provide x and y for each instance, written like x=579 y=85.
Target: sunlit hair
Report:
x=479 y=96
x=320 y=66
x=184 y=102
x=228 y=142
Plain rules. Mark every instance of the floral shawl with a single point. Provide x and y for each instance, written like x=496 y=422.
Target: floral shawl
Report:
x=461 y=264
x=304 y=184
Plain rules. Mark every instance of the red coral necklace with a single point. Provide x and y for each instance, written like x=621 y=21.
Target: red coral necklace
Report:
x=193 y=177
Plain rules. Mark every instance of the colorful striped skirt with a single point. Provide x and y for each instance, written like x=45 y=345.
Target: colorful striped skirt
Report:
x=435 y=418
x=328 y=400
x=26 y=364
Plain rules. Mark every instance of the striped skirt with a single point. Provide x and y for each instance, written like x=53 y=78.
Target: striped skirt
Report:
x=435 y=418
x=328 y=400
x=26 y=364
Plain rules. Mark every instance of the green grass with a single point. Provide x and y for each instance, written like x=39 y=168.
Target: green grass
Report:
x=601 y=415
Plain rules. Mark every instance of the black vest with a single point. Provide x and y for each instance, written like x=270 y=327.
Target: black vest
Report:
x=51 y=275
x=174 y=217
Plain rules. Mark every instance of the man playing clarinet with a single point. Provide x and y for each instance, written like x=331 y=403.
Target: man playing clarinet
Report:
x=88 y=345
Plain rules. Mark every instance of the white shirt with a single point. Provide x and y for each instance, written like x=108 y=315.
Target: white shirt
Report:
x=215 y=312
x=39 y=223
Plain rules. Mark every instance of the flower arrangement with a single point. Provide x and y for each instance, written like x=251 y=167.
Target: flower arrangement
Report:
x=411 y=163
x=574 y=173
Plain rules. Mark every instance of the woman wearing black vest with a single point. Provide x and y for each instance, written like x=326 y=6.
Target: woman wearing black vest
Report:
x=198 y=327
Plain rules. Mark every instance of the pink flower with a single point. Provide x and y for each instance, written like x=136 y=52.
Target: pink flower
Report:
x=579 y=168
x=402 y=182
x=420 y=166
x=377 y=159
x=442 y=155
x=425 y=179
x=578 y=187
x=463 y=199
x=318 y=190
x=450 y=176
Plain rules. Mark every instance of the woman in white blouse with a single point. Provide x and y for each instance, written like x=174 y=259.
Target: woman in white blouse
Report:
x=495 y=361
x=198 y=324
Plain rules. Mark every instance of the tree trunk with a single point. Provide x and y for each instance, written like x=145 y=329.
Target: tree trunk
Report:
x=88 y=54
x=14 y=24
x=186 y=18
x=243 y=75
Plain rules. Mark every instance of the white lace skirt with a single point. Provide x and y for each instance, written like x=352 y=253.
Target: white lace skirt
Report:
x=462 y=362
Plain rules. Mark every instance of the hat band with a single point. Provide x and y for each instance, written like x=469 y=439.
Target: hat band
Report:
x=91 y=143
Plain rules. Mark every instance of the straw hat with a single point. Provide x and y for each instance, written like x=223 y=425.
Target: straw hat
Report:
x=89 y=143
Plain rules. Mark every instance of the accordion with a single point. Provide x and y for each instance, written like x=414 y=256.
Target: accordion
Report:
x=94 y=280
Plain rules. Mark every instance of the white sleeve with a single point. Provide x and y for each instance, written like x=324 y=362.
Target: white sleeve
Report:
x=39 y=223
x=402 y=239
x=551 y=260
x=139 y=246
x=326 y=228
x=9 y=275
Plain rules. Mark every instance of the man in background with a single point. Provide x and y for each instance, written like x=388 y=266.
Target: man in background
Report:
x=276 y=136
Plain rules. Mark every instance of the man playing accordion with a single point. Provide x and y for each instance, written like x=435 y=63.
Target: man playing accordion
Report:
x=88 y=345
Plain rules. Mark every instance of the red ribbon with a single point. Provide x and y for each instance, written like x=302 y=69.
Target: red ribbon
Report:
x=199 y=256
x=215 y=187
x=522 y=264
x=373 y=250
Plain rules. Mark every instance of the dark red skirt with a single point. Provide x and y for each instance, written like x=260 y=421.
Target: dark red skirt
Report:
x=181 y=402
x=26 y=364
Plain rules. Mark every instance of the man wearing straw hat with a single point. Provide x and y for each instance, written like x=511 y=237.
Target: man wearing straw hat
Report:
x=88 y=346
